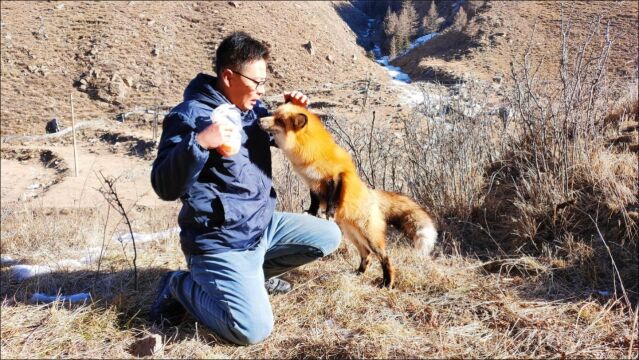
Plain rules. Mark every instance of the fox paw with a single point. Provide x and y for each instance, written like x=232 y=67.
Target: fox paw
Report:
x=329 y=215
x=386 y=283
x=308 y=212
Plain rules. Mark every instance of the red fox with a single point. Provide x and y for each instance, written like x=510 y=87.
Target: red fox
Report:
x=361 y=213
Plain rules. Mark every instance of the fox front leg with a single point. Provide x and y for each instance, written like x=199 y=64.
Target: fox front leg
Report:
x=315 y=203
x=334 y=189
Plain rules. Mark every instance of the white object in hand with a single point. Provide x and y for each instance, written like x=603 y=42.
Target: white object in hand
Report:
x=230 y=114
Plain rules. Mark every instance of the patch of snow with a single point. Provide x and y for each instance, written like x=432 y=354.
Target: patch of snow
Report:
x=23 y=272
x=69 y=263
x=377 y=52
x=417 y=42
x=394 y=71
x=74 y=298
x=143 y=238
x=409 y=94
x=92 y=255
x=6 y=260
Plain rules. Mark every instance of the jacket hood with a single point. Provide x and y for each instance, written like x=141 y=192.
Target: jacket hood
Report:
x=202 y=89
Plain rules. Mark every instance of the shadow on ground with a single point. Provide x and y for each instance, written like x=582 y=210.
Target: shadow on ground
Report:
x=357 y=21
x=549 y=271
x=109 y=291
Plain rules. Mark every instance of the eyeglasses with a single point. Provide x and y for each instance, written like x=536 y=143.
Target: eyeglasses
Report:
x=257 y=83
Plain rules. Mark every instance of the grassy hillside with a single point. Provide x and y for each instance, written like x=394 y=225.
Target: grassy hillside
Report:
x=115 y=56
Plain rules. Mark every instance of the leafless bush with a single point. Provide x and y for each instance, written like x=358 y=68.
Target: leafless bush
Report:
x=375 y=146
x=110 y=194
x=559 y=141
x=560 y=122
x=556 y=178
x=448 y=143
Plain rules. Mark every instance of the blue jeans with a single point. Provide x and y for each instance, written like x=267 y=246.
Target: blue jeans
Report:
x=226 y=291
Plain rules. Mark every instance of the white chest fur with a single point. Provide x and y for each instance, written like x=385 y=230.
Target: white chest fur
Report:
x=310 y=173
x=287 y=144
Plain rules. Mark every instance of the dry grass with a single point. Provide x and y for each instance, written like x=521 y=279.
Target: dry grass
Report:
x=451 y=306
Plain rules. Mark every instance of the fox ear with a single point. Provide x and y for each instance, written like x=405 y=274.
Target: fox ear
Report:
x=299 y=121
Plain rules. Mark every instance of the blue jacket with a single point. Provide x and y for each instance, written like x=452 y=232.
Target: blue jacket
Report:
x=227 y=203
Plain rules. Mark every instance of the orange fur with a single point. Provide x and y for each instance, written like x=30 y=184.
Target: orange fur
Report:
x=363 y=214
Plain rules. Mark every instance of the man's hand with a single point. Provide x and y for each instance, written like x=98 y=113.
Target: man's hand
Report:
x=296 y=98
x=215 y=135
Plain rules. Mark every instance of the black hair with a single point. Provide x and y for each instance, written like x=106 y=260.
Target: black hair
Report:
x=237 y=50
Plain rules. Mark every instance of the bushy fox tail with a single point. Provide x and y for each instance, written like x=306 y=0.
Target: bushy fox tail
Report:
x=408 y=217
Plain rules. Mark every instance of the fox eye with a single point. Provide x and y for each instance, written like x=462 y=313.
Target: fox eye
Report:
x=279 y=122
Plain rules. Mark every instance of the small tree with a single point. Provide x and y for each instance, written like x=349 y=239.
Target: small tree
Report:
x=391 y=29
x=407 y=25
x=390 y=23
x=429 y=23
x=408 y=19
x=399 y=29
x=461 y=20
x=107 y=189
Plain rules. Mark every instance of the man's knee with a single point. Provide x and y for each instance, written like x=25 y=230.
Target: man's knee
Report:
x=332 y=238
x=252 y=331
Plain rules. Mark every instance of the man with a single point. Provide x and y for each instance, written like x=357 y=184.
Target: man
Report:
x=232 y=238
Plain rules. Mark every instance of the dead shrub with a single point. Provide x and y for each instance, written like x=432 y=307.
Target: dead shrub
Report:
x=556 y=179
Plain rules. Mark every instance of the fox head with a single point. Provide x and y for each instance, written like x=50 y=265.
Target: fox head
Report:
x=293 y=125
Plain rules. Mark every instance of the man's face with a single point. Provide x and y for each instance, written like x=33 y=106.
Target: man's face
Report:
x=242 y=86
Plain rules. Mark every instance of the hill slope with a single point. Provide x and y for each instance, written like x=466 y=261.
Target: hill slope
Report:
x=503 y=30
x=113 y=56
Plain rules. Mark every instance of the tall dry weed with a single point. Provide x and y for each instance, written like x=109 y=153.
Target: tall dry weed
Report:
x=557 y=178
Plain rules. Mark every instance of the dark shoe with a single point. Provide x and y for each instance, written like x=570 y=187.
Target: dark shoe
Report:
x=166 y=310
x=277 y=286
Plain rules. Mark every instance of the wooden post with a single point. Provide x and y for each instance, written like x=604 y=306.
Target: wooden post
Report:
x=75 y=148
x=155 y=123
